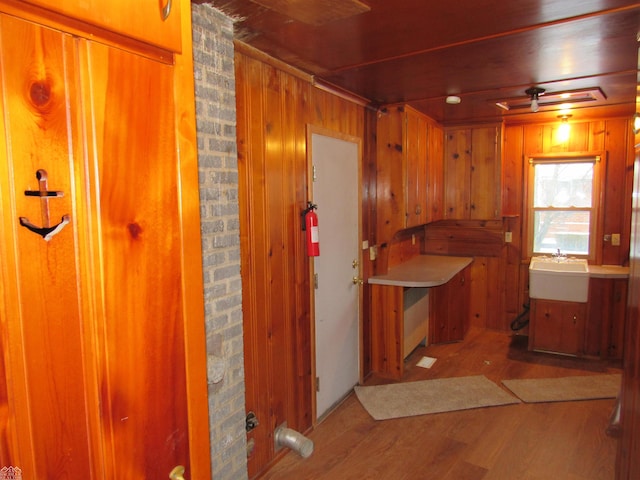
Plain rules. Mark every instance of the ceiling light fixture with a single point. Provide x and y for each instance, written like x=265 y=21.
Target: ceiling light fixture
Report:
x=453 y=100
x=558 y=100
x=564 y=129
x=534 y=93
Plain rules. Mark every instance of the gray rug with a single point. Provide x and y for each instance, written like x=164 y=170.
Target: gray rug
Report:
x=431 y=396
x=566 y=388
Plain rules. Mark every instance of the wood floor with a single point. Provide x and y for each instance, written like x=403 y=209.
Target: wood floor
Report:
x=560 y=441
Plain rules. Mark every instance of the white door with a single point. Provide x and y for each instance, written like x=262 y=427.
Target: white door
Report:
x=337 y=297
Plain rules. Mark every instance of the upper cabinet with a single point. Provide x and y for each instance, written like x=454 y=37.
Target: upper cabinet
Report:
x=156 y=22
x=472 y=173
x=414 y=140
x=409 y=174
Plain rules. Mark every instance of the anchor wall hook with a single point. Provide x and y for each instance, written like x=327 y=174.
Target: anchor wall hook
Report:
x=47 y=231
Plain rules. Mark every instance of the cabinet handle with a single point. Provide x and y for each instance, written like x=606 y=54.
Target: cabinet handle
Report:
x=418 y=209
x=166 y=10
x=177 y=473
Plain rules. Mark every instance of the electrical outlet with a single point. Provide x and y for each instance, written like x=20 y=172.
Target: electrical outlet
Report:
x=413 y=239
x=615 y=239
x=373 y=253
x=508 y=237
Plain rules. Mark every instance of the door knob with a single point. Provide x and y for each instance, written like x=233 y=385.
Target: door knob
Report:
x=357 y=281
x=177 y=473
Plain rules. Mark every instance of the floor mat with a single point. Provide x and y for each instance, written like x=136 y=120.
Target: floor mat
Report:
x=565 y=388
x=431 y=396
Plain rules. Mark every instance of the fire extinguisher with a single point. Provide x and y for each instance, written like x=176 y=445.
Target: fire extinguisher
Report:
x=310 y=226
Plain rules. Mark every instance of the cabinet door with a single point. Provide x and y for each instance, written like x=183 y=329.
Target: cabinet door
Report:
x=153 y=21
x=94 y=318
x=457 y=181
x=43 y=304
x=415 y=142
x=390 y=179
x=472 y=173
x=604 y=332
x=449 y=309
x=484 y=202
x=137 y=235
x=616 y=327
x=558 y=326
x=435 y=172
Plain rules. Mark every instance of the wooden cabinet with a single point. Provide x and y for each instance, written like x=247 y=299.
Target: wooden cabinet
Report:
x=408 y=151
x=604 y=334
x=557 y=327
x=435 y=172
x=400 y=302
x=156 y=22
x=387 y=330
x=449 y=309
x=472 y=173
x=415 y=140
x=101 y=308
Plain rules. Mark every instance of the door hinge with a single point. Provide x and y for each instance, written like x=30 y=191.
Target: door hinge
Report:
x=314 y=177
x=317 y=384
x=315 y=281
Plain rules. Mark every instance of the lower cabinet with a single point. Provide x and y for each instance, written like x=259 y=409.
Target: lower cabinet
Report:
x=399 y=315
x=449 y=309
x=604 y=335
x=557 y=326
x=593 y=329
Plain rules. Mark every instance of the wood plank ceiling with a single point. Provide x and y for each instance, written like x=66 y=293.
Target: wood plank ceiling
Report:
x=484 y=51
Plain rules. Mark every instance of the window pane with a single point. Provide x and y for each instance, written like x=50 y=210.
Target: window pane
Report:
x=565 y=230
x=563 y=185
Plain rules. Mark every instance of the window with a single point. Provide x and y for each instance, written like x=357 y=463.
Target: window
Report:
x=562 y=205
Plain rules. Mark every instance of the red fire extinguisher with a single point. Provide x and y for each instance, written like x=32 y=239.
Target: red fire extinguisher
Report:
x=310 y=226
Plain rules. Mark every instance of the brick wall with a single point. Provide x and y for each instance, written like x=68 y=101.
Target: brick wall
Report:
x=218 y=170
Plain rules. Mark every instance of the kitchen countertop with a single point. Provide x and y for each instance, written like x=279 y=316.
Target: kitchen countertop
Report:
x=608 y=271
x=423 y=271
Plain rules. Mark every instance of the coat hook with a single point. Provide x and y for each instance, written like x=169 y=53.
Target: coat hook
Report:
x=47 y=231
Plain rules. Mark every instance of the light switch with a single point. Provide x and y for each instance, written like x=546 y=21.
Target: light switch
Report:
x=508 y=237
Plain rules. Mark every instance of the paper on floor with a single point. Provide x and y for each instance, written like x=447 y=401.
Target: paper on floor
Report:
x=426 y=362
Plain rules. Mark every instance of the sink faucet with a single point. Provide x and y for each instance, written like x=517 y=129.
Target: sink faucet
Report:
x=559 y=255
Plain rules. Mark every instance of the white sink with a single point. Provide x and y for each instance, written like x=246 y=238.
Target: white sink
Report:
x=564 y=279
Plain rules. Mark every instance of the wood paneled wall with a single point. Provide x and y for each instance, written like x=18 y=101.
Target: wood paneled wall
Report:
x=610 y=137
x=275 y=104
x=499 y=275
